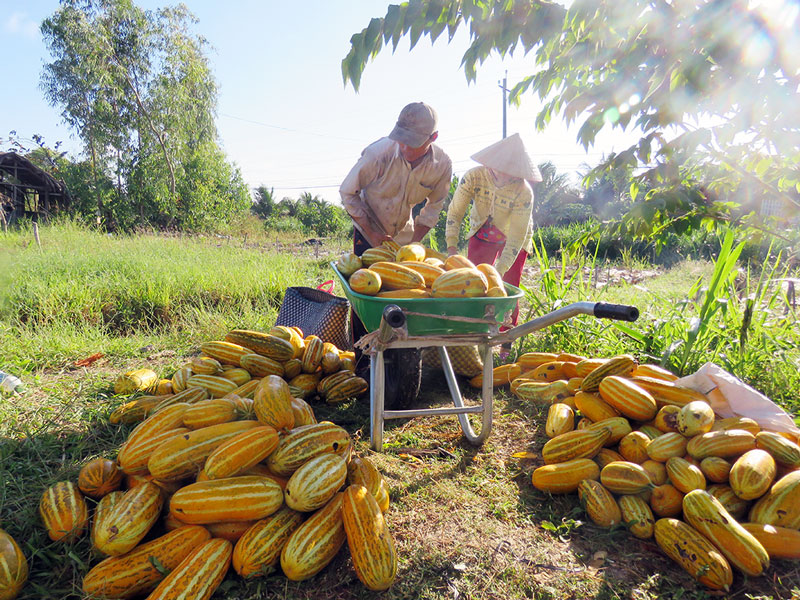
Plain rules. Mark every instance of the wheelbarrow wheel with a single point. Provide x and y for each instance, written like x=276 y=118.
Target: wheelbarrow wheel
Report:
x=402 y=377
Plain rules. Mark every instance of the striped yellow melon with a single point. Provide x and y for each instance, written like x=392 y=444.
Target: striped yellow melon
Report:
x=541 y=392
x=667 y=418
x=666 y=446
x=331 y=363
x=574 y=444
x=241 y=452
x=667 y=392
x=265 y=344
x=361 y=471
x=369 y=539
x=530 y=360
x=715 y=469
x=366 y=282
x=237 y=375
x=655 y=371
x=752 y=474
x=138 y=380
x=395 y=276
x=560 y=419
x=695 y=418
x=370 y=256
x=273 y=403
x=229 y=530
x=304 y=443
x=725 y=444
x=685 y=476
x=183 y=456
x=551 y=371
x=623 y=477
x=779 y=542
x=694 y=553
x=666 y=500
x=736 y=423
x=428 y=272
x=63 y=511
x=410 y=294
x=302 y=412
x=414 y=252
x=99 y=477
x=243 y=498
x=13 y=567
x=456 y=261
x=781 y=505
x=260 y=366
x=350 y=388
x=130 y=519
x=138 y=572
x=315 y=482
x=133 y=457
x=587 y=365
x=226 y=352
x=606 y=456
x=637 y=516
x=205 y=365
x=784 y=451
x=628 y=398
x=101 y=513
x=593 y=407
x=460 y=283
x=258 y=551
x=210 y=412
x=634 y=447
x=348 y=264
x=191 y=395
x=390 y=245
x=732 y=503
x=563 y=478
x=247 y=390
x=598 y=503
x=619 y=427
x=314 y=543
x=135 y=410
x=705 y=513
x=216 y=387
x=304 y=385
x=657 y=471
x=180 y=377
x=501 y=375
x=312 y=354
x=198 y=576
x=650 y=431
x=493 y=278
x=617 y=365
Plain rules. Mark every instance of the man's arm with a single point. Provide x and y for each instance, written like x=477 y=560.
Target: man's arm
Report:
x=364 y=171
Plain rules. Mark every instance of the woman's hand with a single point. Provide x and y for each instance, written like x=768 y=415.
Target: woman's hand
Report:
x=451 y=250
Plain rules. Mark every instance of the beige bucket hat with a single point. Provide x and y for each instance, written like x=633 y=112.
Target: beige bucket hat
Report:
x=509 y=156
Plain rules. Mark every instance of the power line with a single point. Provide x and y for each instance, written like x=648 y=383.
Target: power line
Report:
x=323 y=135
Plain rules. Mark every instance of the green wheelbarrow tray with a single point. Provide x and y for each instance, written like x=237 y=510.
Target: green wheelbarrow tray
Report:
x=429 y=316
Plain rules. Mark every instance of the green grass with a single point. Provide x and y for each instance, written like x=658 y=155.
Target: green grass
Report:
x=466 y=521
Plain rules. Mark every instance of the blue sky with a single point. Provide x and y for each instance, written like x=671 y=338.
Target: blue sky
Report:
x=284 y=115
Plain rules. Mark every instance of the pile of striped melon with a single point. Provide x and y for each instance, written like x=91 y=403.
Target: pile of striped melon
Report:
x=233 y=471
x=414 y=271
x=638 y=447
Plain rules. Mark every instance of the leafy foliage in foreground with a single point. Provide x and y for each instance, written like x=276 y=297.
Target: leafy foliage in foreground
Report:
x=683 y=73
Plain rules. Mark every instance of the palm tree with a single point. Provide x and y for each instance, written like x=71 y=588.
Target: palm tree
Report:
x=264 y=205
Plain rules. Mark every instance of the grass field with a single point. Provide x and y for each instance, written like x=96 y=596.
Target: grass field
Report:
x=466 y=521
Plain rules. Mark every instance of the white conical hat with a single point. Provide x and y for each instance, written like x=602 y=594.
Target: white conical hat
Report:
x=510 y=157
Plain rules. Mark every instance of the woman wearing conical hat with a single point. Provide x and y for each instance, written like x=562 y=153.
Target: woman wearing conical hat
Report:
x=500 y=200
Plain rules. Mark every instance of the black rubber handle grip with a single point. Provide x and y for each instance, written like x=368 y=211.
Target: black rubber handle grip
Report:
x=394 y=315
x=618 y=312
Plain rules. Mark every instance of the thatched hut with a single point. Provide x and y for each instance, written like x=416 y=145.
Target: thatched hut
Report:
x=28 y=191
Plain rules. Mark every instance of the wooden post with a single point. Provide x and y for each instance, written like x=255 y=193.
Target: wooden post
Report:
x=36 y=234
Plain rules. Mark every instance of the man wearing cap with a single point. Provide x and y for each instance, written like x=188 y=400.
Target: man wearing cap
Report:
x=393 y=175
x=500 y=222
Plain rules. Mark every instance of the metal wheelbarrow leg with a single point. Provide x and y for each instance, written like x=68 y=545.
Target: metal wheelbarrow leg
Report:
x=392 y=333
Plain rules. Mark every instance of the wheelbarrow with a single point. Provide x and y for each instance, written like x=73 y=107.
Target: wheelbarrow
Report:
x=399 y=328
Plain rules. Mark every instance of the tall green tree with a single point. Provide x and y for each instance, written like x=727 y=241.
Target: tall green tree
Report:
x=712 y=87
x=137 y=86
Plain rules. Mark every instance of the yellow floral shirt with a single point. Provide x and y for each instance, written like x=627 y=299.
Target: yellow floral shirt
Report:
x=509 y=207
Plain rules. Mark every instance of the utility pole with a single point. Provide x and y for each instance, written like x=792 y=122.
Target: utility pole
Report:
x=504 y=86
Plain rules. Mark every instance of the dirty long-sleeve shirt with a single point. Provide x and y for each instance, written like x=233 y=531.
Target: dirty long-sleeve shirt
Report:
x=509 y=207
x=383 y=180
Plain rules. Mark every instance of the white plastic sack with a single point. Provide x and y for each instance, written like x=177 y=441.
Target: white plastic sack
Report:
x=731 y=397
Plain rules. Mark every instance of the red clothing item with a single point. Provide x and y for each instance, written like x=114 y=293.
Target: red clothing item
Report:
x=480 y=251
